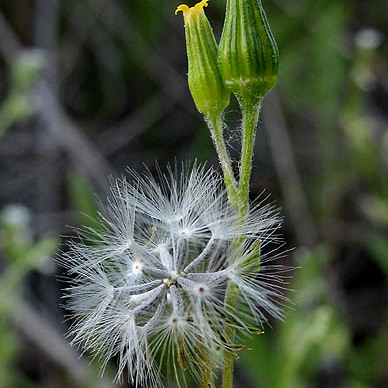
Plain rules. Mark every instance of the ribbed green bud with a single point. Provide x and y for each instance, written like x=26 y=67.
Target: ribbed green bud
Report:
x=248 y=56
x=206 y=87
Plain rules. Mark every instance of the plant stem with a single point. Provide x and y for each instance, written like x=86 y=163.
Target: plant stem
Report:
x=207 y=378
x=206 y=371
x=216 y=128
x=215 y=125
x=250 y=112
x=231 y=297
x=238 y=196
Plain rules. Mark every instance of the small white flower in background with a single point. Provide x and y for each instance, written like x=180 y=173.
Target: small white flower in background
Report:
x=149 y=284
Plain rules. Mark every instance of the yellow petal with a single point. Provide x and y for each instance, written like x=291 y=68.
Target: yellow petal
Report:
x=197 y=7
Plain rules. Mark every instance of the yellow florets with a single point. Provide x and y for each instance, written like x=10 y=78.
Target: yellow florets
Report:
x=186 y=9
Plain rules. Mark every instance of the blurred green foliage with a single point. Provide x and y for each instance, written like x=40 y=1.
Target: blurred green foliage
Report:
x=312 y=331
x=22 y=255
x=114 y=57
x=23 y=74
x=83 y=199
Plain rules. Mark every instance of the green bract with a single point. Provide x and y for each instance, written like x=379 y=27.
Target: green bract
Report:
x=206 y=87
x=248 y=56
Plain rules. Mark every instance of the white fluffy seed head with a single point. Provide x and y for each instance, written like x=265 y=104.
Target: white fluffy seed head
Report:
x=201 y=290
x=137 y=268
x=153 y=280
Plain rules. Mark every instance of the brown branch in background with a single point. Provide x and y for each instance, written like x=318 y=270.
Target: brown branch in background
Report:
x=137 y=122
x=46 y=23
x=50 y=342
x=68 y=135
x=286 y=169
x=71 y=138
x=45 y=18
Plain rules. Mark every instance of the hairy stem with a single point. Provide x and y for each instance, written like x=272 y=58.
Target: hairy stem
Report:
x=250 y=111
x=216 y=128
x=250 y=114
x=231 y=297
x=207 y=378
x=206 y=372
x=238 y=195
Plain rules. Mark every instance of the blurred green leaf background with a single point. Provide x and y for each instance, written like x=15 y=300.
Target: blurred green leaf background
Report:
x=89 y=87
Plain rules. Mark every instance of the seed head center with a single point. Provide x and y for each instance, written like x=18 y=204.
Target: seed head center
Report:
x=171 y=280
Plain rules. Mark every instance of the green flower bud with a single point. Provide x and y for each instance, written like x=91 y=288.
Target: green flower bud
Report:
x=206 y=87
x=248 y=56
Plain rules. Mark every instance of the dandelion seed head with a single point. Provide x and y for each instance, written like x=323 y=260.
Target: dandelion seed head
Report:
x=201 y=290
x=150 y=281
x=136 y=268
x=177 y=323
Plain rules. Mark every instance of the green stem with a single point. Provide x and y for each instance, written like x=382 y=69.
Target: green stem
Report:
x=206 y=370
x=207 y=377
x=238 y=196
x=231 y=297
x=216 y=128
x=250 y=112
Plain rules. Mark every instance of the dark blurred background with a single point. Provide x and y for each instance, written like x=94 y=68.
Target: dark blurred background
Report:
x=89 y=87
